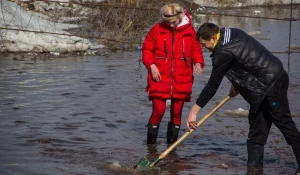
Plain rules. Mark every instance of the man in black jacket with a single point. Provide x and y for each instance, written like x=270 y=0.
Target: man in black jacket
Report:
x=259 y=77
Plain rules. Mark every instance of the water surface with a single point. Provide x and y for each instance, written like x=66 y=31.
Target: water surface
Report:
x=87 y=115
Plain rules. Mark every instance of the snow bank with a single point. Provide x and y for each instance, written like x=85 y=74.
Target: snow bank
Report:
x=13 y=16
x=19 y=41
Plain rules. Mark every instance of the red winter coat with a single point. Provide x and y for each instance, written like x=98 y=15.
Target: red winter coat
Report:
x=174 y=59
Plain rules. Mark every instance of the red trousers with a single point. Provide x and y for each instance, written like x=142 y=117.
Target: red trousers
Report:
x=159 y=107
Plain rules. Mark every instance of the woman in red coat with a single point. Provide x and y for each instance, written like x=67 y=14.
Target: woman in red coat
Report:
x=170 y=53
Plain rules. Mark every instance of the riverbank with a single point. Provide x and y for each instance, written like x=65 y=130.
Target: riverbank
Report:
x=64 y=26
x=244 y=3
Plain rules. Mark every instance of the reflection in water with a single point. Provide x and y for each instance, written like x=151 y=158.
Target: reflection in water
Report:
x=86 y=115
x=255 y=171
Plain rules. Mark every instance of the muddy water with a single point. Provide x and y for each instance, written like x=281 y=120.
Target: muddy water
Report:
x=87 y=115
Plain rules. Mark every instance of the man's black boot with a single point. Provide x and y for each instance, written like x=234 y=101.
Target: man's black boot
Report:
x=152 y=133
x=255 y=158
x=172 y=132
x=296 y=149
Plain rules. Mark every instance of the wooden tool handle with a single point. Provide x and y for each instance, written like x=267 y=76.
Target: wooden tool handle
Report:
x=203 y=119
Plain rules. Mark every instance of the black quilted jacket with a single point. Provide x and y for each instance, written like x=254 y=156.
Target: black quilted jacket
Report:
x=246 y=63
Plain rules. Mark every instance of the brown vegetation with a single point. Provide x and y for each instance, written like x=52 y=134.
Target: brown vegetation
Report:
x=117 y=24
x=122 y=24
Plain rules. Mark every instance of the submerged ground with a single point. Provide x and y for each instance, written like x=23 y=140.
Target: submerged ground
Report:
x=87 y=115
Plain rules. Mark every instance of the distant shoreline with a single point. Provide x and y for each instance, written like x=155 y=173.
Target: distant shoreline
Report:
x=242 y=7
x=246 y=4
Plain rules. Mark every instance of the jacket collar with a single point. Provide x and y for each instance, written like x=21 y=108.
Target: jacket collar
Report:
x=218 y=37
x=225 y=36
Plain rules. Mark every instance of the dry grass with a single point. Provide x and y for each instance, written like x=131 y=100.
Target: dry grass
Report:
x=124 y=28
x=118 y=24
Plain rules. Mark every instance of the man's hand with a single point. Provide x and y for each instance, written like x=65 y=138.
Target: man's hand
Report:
x=155 y=72
x=197 y=68
x=191 y=122
x=233 y=91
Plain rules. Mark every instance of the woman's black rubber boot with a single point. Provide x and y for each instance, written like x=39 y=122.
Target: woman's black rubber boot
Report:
x=172 y=132
x=152 y=133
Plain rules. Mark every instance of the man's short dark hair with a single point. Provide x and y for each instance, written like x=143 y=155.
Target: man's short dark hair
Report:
x=207 y=30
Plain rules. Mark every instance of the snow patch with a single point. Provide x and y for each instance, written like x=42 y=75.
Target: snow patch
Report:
x=20 y=40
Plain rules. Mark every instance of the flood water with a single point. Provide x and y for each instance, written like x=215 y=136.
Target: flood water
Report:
x=87 y=114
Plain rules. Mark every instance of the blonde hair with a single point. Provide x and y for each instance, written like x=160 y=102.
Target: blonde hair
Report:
x=172 y=11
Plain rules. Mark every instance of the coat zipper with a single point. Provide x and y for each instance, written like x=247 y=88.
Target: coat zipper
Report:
x=172 y=65
x=166 y=50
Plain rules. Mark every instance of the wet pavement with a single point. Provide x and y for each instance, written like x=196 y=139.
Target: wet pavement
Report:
x=87 y=115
